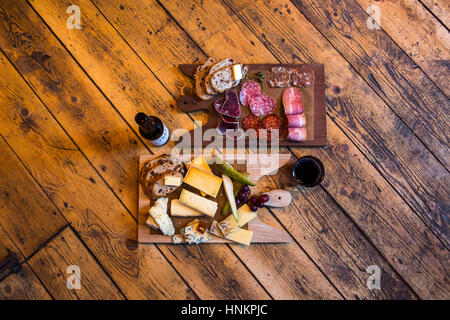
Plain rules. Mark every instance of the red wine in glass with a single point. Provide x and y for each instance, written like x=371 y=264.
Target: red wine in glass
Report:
x=308 y=171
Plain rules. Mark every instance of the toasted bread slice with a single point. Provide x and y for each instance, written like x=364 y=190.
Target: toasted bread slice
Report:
x=216 y=67
x=199 y=78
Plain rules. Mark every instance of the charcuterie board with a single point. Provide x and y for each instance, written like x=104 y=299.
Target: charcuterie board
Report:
x=313 y=102
x=256 y=165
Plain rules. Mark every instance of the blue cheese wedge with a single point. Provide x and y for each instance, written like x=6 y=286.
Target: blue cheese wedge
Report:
x=159 y=213
x=195 y=233
x=229 y=224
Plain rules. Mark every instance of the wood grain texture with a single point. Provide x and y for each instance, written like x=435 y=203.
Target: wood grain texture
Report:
x=440 y=8
x=333 y=241
x=26 y=214
x=386 y=68
x=101 y=40
x=78 y=192
x=23 y=286
x=138 y=41
x=433 y=285
x=423 y=38
x=51 y=262
x=361 y=114
x=7 y=247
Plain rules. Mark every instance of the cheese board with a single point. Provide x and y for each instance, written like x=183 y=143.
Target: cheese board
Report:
x=255 y=165
x=313 y=105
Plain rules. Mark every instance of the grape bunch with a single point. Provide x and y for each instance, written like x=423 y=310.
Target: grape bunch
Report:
x=254 y=202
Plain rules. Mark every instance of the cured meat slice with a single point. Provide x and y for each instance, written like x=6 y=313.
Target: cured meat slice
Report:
x=297 y=134
x=224 y=127
x=279 y=77
x=229 y=119
x=296 y=120
x=251 y=122
x=229 y=106
x=302 y=77
x=292 y=101
x=272 y=122
x=261 y=105
x=248 y=89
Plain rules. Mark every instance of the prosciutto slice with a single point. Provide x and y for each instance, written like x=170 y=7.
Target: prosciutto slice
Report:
x=297 y=134
x=292 y=101
x=296 y=120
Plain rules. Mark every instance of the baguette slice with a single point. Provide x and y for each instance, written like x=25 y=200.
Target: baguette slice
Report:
x=223 y=80
x=216 y=67
x=199 y=78
x=159 y=189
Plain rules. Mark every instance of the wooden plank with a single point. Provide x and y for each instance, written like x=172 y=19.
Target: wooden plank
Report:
x=23 y=286
x=374 y=129
x=51 y=262
x=424 y=39
x=76 y=190
x=7 y=247
x=386 y=68
x=440 y=8
x=332 y=240
x=286 y=275
x=171 y=32
x=26 y=214
x=115 y=81
x=431 y=283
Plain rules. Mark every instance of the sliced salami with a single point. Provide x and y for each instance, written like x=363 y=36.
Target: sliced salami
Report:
x=272 y=122
x=261 y=105
x=248 y=89
x=251 y=122
x=303 y=77
x=279 y=77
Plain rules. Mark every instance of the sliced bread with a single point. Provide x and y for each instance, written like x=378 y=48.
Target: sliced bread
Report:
x=199 y=78
x=159 y=189
x=216 y=67
x=222 y=79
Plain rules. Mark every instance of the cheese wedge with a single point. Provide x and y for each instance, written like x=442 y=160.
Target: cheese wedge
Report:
x=203 y=181
x=241 y=236
x=200 y=163
x=229 y=224
x=198 y=203
x=237 y=72
x=173 y=181
x=177 y=209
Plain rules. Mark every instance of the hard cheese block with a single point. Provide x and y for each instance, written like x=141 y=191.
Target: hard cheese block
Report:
x=241 y=236
x=203 y=181
x=200 y=163
x=177 y=209
x=198 y=203
x=229 y=224
x=172 y=181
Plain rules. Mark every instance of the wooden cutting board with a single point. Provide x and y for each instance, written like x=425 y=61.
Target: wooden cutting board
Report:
x=262 y=232
x=313 y=103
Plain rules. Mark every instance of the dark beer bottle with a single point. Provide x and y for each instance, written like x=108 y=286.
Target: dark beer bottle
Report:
x=152 y=129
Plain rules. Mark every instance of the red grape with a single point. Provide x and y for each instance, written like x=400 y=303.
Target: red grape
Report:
x=246 y=189
x=244 y=199
x=264 y=198
x=253 y=207
x=260 y=204
x=254 y=199
x=238 y=202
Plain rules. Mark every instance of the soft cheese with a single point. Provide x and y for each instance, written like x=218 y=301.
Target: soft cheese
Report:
x=159 y=212
x=198 y=203
x=203 y=181
x=177 y=209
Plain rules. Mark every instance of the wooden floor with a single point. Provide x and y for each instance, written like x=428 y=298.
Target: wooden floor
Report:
x=68 y=148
